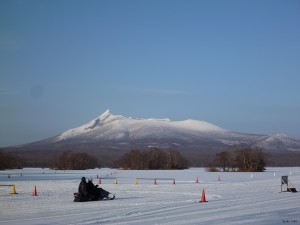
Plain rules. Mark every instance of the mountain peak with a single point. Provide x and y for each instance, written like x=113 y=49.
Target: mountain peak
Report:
x=104 y=116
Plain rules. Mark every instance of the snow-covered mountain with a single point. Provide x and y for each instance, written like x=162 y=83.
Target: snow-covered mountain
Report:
x=277 y=142
x=110 y=136
x=116 y=128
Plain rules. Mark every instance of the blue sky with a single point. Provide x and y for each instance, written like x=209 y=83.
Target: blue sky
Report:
x=235 y=64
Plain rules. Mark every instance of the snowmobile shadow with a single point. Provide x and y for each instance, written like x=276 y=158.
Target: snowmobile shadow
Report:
x=79 y=198
x=96 y=200
x=124 y=198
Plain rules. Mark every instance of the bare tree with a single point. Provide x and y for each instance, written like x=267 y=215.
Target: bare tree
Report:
x=244 y=159
x=77 y=161
x=156 y=159
x=250 y=159
x=9 y=161
x=152 y=159
x=175 y=160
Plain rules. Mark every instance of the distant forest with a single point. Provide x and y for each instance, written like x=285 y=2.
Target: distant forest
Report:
x=75 y=161
x=152 y=159
x=234 y=159
x=242 y=159
x=9 y=161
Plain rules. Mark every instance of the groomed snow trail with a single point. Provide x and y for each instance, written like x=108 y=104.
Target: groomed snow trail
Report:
x=238 y=198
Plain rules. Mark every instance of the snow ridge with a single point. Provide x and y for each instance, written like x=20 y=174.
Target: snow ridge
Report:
x=279 y=141
x=118 y=129
x=119 y=126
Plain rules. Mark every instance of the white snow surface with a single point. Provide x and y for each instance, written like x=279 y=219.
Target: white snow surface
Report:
x=109 y=126
x=238 y=198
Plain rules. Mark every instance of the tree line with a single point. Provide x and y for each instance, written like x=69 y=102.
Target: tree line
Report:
x=9 y=161
x=152 y=159
x=242 y=159
x=75 y=161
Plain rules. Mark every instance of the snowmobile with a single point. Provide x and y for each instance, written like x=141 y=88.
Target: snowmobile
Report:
x=87 y=191
x=104 y=195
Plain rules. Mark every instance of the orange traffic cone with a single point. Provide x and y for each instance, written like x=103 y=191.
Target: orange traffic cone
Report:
x=203 y=198
x=34 y=193
x=197 y=180
x=155 y=181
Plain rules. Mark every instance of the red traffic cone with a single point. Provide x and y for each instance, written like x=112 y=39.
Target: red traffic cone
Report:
x=99 y=182
x=203 y=198
x=197 y=180
x=34 y=193
x=155 y=181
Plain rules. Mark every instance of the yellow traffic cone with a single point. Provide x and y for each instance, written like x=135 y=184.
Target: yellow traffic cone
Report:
x=116 y=181
x=13 y=190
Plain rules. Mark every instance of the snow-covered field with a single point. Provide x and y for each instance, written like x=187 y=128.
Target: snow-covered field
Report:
x=237 y=198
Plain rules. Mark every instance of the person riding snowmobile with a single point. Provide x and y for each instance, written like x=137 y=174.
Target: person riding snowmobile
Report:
x=95 y=191
x=90 y=192
x=82 y=189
